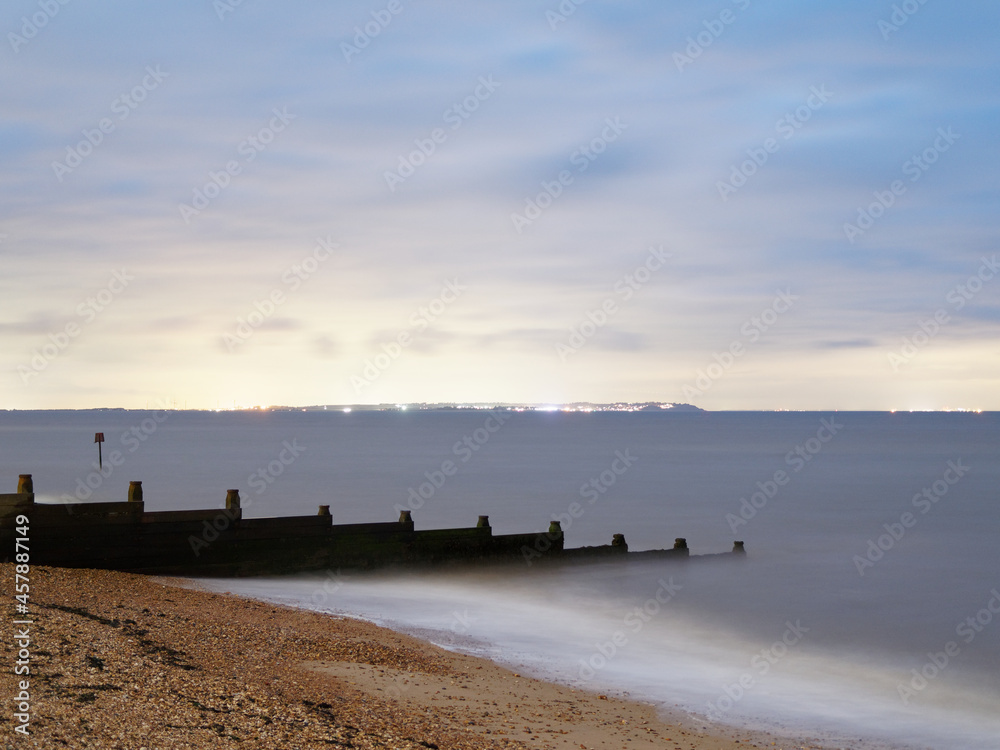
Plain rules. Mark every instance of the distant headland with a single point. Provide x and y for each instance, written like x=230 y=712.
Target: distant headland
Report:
x=580 y=406
x=576 y=406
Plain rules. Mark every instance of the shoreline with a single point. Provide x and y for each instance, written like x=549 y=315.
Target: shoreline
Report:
x=129 y=661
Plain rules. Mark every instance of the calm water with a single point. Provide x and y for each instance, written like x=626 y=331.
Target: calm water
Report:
x=872 y=543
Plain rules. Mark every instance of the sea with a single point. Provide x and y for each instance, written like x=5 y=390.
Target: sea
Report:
x=865 y=614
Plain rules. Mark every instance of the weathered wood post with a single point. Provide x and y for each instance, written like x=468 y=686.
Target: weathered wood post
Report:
x=681 y=546
x=233 y=500
x=738 y=548
x=483 y=522
x=24 y=485
x=324 y=510
x=618 y=543
x=406 y=520
x=555 y=536
x=135 y=492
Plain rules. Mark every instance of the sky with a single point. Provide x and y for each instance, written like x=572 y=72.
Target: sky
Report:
x=735 y=204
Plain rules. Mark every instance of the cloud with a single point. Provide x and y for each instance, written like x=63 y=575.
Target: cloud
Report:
x=847 y=344
x=324 y=175
x=38 y=325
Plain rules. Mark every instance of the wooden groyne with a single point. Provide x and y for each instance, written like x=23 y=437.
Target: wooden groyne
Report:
x=220 y=542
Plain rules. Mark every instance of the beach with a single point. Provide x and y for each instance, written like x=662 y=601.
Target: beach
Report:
x=128 y=661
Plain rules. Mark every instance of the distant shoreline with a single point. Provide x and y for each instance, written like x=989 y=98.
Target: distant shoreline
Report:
x=624 y=408
x=579 y=406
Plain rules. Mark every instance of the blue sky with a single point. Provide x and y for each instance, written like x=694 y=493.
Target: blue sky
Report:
x=737 y=204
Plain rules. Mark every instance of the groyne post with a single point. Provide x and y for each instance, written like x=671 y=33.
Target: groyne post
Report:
x=555 y=535
x=681 y=546
x=406 y=520
x=24 y=485
x=618 y=543
x=233 y=507
x=135 y=507
x=232 y=500
x=738 y=548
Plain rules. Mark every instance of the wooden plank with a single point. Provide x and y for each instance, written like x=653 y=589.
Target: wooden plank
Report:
x=284 y=523
x=83 y=516
x=69 y=524
x=168 y=516
x=90 y=509
x=12 y=506
x=182 y=528
x=8 y=518
x=303 y=532
x=472 y=532
x=368 y=528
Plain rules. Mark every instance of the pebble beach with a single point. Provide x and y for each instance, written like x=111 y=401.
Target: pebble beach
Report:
x=131 y=662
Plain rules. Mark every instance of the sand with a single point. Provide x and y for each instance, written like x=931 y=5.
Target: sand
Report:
x=131 y=662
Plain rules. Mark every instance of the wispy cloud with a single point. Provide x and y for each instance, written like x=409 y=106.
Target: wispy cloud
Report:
x=656 y=184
